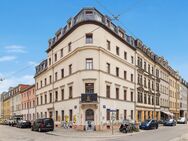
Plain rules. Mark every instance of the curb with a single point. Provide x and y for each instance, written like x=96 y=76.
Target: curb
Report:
x=107 y=136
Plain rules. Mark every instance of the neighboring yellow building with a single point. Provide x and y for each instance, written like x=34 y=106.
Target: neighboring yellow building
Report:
x=174 y=94
x=7 y=105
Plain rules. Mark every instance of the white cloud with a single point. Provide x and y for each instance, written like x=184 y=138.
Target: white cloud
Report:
x=7 y=58
x=15 y=49
x=14 y=81
x=33 y=63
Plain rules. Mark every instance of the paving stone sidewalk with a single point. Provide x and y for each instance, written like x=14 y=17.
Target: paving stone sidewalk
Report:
x=89 y=134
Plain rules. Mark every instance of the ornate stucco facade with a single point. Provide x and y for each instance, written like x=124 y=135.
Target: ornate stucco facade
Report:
x=28 y=105
x=87 y=79
x=93 y=68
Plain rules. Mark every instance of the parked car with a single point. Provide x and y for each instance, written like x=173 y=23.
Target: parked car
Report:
x=11 y=122
x=1 y=121
x=161 y=121
x=170 y=122
x=128 y=127
x=6 y=122
x=149 y=124
x=23 y=124
x=43 y=124
x=182 y=120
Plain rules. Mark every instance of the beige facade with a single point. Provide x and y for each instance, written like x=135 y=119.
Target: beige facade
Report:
x=147 y=95
x=86 y=78
x=174 y=93
x=183 y=99
x=94 y=68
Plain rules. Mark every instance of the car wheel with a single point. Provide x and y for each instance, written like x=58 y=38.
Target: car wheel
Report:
x=124 y=131
x=32 y=129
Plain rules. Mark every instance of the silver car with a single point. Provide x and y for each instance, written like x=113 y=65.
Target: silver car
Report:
x=182 y=120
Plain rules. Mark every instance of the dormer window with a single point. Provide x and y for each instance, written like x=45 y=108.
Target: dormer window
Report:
x=108 y=23
x=121 y=34
x=89 y=13
x=65 y=29
x=58 y=35
x=69 y=24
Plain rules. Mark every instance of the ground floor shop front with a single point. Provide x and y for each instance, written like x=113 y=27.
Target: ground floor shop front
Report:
x=86 y=115
x=143 y=114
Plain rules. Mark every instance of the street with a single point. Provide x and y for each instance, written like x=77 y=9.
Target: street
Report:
x=162 y=134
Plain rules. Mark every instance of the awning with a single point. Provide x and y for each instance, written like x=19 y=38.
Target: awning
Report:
x=168 y=113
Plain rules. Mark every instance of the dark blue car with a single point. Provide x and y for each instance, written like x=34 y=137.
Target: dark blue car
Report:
x=149 y=124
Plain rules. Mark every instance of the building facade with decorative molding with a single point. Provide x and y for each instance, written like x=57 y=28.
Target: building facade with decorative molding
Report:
x=183 y=99
x=94 y=72
x=89 y=73
x=147 y=103
x=28 y=106
x=7 y=105
x=15 y=93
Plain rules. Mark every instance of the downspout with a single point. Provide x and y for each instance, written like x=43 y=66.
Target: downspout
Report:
x=99 y=91
x=155 y=92
x=28 y=105
x=53 y=116
x=135 y=86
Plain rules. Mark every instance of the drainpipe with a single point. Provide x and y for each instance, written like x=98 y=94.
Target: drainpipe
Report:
x=135 y=84
x=99 y=91
x=154 y=93
x=35 y=106
x=28 y=104
x=53 y=112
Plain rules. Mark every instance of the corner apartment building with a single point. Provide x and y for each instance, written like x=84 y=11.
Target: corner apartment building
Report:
x=90 y=71
x=183 y=99
x=94 y=69
x=28 y=107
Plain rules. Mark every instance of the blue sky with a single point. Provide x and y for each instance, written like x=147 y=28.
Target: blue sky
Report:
x=26 y=26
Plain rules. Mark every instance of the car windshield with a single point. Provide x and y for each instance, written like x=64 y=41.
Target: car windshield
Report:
x=170 y=120
x=48 y=121
x=146 y=121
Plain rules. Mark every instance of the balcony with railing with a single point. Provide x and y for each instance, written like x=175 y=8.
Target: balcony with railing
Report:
x=89 y=98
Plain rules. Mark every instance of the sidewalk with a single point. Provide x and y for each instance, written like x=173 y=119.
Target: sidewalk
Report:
x=89 y=134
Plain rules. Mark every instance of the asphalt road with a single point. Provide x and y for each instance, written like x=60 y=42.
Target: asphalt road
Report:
x=162 y=134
